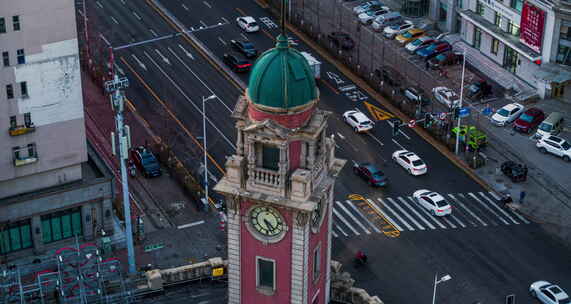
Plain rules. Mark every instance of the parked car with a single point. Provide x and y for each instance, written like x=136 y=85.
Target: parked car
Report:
x=433 y=49
x=552 y=125
x=391 y=31
x=446 y=97
x=363 y=7
x=516 y=172
x=418 y=43
x=409 y=35
x=410 y=162
x=248 y=24
x=389 y=76
x=388 y=19
x=368 y=16
x=146 y=161
x=529 y=120
x=548 y=293
x=370 y=174
x=507 y=114
x=358 y=121
x=478 y=89
x=446 y=58
x=415 y=94
x=433 y=202
x=245 y=47
x=341 y=40
x=236 y=63
x=555 y=145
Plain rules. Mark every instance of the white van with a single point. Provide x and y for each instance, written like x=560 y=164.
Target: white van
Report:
x=552 y=125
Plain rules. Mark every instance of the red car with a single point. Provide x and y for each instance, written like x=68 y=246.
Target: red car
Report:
x=529 y=120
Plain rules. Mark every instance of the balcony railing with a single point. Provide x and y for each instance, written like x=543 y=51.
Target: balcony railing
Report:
x=267 y=177
x=22 y=161
x=22 y=129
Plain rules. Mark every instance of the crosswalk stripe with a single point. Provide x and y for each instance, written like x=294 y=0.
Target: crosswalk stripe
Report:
x=417 y=214
x=406 y=214
x=498 y=208
x=363 y=216
x=341 y=230
x=427 y=214
x=488 y=208
x=392 y=222
x=496 y=197
x=521 y=218
x=334 y=234
x=491 y=219
x=453 y=216
x=396 y=215
x=353 y=217
x=345 y=222
x=447 y=221
x=467 y=210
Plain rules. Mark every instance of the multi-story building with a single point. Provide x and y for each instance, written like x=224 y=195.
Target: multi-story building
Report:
x=47 y=186
x=529 y=38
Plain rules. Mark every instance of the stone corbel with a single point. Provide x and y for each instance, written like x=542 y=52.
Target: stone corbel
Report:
x=301 y=218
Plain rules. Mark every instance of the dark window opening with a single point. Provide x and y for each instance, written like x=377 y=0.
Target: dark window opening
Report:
x=270 y=157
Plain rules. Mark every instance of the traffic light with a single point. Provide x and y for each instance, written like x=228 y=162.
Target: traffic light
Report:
x=427 y=120
x=396 y=127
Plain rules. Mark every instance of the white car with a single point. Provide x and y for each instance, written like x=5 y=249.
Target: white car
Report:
x=358 y=121
x=433 y=202
x=368 y=16
x=548 y=293
x=446 y=96
x=410 y=162
x=507 y=114
x=363 y=7
x=555 y=145
x=248 y=24
x=394 y=30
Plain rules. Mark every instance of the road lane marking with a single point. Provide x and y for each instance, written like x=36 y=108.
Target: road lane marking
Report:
x=341 y=230
x=422 y=210
x=363 y=216
x=203 y=24
x=376 y=139
x=488 y=208
x=495 y=196
x=396 y=214
x=339 y=216
x=222 y=41
x=244 y=36
x=498 y=208
x=114 y=20
x=452 y=216
x=165 y=59
x=99 y=4
x=467 y=210
x=139 y=62
x=191 y=224
x=353 y=217
x=187 y=53
x=185 y=7
x=406 y=213
x=397 y=143
x=153 y=32
x=207 y=4
x=137 y=16
x=334 y=234
x=415 y=212
x=400 y=131
x=104 y=39
x=387 y=218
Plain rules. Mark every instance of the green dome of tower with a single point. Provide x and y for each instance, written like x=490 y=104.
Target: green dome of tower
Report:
x=281 y=79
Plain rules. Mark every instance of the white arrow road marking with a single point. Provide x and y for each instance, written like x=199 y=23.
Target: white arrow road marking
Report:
x=406 y=213
x=488 y=208
x=467 y=210
x=187 y=53
x=353 y=217
x=165 y=59
x=345 y=222
x=142 y=65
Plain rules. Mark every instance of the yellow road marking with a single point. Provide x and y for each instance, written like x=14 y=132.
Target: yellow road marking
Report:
x=377 y=113
x=327 y=84
x=389 y=229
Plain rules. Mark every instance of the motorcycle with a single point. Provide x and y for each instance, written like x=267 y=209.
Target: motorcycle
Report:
x=360 y=259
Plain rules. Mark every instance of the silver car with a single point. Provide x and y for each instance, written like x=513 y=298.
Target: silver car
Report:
x=548 y=293
x=363 y=7
x=368 y=16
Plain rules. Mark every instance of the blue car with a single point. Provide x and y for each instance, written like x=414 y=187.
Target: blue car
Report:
x=433 y=49
x=371 y=174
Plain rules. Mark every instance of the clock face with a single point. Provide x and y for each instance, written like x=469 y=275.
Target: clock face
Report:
x=266 y=220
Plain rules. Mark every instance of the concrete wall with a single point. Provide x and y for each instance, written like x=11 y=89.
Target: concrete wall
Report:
x=52 y=74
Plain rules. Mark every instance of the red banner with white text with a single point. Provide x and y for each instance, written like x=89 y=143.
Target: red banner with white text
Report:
x=531 y=27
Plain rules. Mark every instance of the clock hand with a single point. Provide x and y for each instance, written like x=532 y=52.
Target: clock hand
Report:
x=269 y=225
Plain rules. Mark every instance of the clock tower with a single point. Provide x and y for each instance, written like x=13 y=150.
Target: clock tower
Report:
x=279 y=186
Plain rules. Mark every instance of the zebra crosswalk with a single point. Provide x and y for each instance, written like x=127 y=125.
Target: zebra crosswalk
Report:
x=392 y=215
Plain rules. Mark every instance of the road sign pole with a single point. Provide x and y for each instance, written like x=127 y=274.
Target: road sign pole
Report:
x=460 y=106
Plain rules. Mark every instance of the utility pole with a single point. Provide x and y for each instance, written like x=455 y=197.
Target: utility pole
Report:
x=204 y=100
x=460 y=106
x=117 y=97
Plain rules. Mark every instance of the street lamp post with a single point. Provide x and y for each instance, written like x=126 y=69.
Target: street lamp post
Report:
x=461 y=101
x=436 y=282
x=204 y=100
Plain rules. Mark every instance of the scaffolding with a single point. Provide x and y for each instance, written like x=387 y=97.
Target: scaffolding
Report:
x=73 y=275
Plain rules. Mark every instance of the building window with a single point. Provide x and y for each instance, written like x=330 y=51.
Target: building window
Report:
x=477 y=37
x=6 y=58
x=498 y=19
x=2 y=25
x=21 y=56
x=15 y=236
x=61 y=225
x=495 y=46
x=24 y=88
x=316 y=262
x=479 y=8
x=564 y=55
x=565 y=33
x=13 y=122
x=28 y=119
x=460 y=4
x=265 y=273
x=513 y=28
x=20 y=152
x=516 y=4
x=270 y=157
x=16 y=23
x=9 y=91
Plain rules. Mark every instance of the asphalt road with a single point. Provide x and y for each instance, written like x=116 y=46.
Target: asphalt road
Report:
x=488 y=251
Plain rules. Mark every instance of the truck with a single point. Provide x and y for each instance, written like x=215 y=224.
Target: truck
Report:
x=472 y=137
x=314 y=64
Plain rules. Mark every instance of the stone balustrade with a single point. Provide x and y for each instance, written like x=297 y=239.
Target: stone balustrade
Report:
x=267 y=177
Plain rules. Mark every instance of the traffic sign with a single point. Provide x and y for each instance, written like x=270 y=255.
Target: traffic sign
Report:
x=442 y=116
x=464 y=112
x=412 y=123
x=377 y=113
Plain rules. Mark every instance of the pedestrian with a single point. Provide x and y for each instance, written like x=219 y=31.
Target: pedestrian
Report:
x=521 y=197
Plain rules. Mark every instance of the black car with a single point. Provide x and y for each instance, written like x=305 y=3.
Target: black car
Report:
x=516 y=172
x=237 y=64
x=479 y=89
x=341 y=40
x=371 y=174
x=245 y=47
